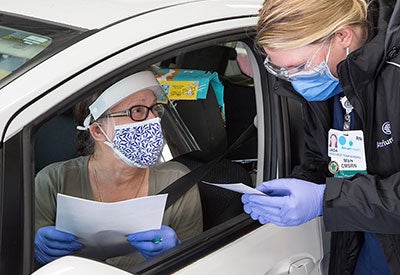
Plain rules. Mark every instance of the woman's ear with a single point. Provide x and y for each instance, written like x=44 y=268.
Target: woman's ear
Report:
x=344 y=36
x=97 y=133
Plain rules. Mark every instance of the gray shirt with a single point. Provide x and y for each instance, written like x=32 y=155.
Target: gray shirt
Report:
x=71 y=178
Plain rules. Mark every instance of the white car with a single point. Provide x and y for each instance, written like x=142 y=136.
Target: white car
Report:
x=55 y=53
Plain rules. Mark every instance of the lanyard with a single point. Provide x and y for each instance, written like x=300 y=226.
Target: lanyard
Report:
x=343 y=117
x=347 y=117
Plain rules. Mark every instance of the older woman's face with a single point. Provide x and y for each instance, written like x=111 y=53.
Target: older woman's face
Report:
x=145 y=98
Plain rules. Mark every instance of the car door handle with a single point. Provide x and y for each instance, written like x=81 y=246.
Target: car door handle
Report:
x=303 y=266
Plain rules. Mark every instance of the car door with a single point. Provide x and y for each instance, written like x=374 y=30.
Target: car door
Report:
x=235 y=246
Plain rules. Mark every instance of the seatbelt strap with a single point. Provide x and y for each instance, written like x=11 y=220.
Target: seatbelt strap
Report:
x=179 y=187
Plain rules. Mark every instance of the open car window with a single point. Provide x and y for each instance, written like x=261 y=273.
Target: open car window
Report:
x=197 y=129
x=236 y=98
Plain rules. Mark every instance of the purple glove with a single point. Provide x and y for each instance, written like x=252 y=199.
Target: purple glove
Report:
x=153 y=242
x=51 y=244
x=288 y=202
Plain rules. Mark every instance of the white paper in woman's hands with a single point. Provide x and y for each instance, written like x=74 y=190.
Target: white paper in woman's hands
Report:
x=103 y=227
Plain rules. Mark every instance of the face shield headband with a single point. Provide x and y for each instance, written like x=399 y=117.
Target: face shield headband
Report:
x=120 y=90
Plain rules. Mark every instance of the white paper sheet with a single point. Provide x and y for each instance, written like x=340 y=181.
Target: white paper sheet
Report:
x=103 y=227
x=237 y=187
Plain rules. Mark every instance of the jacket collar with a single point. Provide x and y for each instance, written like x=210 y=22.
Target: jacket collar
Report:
x=362 y=66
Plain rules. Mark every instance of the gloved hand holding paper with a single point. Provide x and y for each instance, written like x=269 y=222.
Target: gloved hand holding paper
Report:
x=287 y=202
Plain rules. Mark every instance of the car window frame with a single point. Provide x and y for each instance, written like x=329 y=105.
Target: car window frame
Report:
x=25 y=137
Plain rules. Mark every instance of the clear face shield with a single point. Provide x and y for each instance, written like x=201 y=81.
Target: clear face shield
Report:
x=176 y=139
x=179 y=140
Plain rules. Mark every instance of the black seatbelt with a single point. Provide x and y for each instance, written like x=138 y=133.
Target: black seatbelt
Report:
x=179 y=187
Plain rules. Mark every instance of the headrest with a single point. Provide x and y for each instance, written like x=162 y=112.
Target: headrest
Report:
x=214 y=58
x=204 y=121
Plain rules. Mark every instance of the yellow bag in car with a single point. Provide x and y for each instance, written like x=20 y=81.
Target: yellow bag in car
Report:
x=181 y=84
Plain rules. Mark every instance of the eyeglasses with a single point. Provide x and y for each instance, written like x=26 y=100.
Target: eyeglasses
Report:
x=139 y=112
x=289 y=73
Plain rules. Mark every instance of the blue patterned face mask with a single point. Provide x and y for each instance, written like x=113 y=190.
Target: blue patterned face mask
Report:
x=138 y=144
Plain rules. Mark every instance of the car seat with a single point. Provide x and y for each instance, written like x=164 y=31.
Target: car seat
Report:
x=213 y=58
x=204 y=121
x=238 y=95
x=55 y=140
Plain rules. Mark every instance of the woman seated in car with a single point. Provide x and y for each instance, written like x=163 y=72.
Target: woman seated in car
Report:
x=116 y=165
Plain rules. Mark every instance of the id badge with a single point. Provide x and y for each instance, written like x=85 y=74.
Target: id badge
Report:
x=346 y=149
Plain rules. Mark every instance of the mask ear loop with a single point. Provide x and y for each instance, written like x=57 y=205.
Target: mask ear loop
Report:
x=327 y=59
x=104 y=133
x=109 y=143
x=329 y=53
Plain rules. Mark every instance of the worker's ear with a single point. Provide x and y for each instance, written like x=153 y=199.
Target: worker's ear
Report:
x=344 y=37
x=97 y=133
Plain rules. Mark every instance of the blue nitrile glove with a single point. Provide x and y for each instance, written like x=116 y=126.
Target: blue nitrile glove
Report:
x=51 y=244
x=153 y=242
x=288 y=202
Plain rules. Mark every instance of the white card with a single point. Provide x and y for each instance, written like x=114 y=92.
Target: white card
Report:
x=237 y=187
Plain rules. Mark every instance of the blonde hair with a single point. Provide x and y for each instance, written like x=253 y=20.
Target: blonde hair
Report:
x=288 y=24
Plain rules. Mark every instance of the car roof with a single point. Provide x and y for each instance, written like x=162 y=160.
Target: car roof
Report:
x=87 y=14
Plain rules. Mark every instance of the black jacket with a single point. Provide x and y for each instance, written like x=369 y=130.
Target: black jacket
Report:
x=370 y=78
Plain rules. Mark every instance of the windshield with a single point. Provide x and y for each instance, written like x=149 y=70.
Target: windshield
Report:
x=18 y=47
x=26 y=42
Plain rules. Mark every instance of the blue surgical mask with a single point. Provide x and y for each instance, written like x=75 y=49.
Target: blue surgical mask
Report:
x=317 y=84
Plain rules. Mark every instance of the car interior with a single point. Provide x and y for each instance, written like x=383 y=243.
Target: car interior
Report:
x=213 y=132
x=55 y=139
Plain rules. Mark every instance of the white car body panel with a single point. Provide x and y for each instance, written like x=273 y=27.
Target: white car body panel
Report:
x=96 y=14
x=251 y=254
x=89 y=14
x=258 y=120
x=72 y=265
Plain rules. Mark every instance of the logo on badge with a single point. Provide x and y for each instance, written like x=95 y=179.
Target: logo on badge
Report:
x=333 y=167
x=386 y=128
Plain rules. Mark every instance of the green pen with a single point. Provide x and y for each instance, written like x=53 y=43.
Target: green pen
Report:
x=157 y=240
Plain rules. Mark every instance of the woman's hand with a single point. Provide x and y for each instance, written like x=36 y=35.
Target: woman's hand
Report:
x=51 y=244
x=153 y=242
